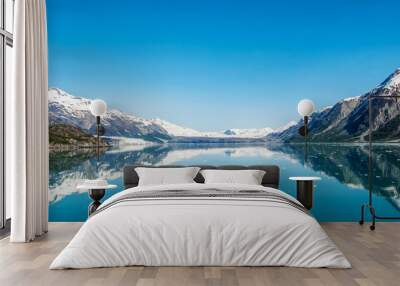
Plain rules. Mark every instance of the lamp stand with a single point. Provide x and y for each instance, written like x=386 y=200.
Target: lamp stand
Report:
x=305 y=140
x=98 y=136
x=369 y=205
x=306 y=127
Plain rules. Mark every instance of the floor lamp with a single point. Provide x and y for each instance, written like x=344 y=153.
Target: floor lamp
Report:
x=305 y=108
x=98 y=108
x=370 y=169
x=97 y=188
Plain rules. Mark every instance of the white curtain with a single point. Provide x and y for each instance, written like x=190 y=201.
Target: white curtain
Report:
x=27 y=124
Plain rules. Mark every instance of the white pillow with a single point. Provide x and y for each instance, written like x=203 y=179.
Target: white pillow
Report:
x=166 y=176
x=248 y=177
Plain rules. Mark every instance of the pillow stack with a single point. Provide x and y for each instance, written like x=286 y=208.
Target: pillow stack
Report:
x=185 y=175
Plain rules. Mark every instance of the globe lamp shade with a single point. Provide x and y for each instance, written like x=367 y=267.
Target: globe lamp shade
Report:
x=305 y=107
x=98 y=107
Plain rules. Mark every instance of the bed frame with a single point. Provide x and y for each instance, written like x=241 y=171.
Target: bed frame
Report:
x=270 y=179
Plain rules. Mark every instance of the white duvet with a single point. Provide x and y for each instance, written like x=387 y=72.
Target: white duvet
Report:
x=193 y=231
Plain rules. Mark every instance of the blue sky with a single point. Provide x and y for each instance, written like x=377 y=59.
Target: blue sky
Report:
x=213 y=65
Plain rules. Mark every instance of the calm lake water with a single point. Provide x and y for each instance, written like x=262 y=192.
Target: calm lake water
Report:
x=337 y=197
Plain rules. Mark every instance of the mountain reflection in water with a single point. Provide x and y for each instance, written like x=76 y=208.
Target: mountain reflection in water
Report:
x=343 y=168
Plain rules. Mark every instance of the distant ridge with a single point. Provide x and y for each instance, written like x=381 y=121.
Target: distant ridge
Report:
x=67 y=109
x=347 y=120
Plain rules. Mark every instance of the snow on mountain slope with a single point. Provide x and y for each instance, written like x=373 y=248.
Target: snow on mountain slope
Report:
x=176 y=130
x=179 y=131
x=347 y=120
x=285 y=127
x=69 y=109
x=72 y=110
x=65 y=108
x=248 y=133
x=71 y=103
x=393 y=81
x=351 y=98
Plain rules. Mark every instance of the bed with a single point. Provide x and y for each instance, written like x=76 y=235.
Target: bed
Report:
x=197 y=224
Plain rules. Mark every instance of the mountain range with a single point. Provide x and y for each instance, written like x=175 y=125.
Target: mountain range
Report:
x=345 y=121
x=66 y=109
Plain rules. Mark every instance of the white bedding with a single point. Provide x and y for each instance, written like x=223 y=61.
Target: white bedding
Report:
x=200 y=231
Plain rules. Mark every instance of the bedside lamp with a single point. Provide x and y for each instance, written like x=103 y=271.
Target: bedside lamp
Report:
x=98 y=108
x=305 y=108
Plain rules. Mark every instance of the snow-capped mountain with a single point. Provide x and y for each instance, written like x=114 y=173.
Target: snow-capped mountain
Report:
x=347 y=120
x=392 y=82
x=176 y=130
x=72 y=110
x=248 y=133
x=179 y=131
x=65 y=108
x=283 y=128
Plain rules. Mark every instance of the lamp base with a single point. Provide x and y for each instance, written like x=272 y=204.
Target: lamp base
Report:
x=96 y=195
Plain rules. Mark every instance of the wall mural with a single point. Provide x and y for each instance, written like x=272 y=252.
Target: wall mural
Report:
x=218 y=83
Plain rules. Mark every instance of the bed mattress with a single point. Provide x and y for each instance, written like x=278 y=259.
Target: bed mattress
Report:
x=201 y=225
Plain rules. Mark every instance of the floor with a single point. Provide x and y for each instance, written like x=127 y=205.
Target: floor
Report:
x=375 y=257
